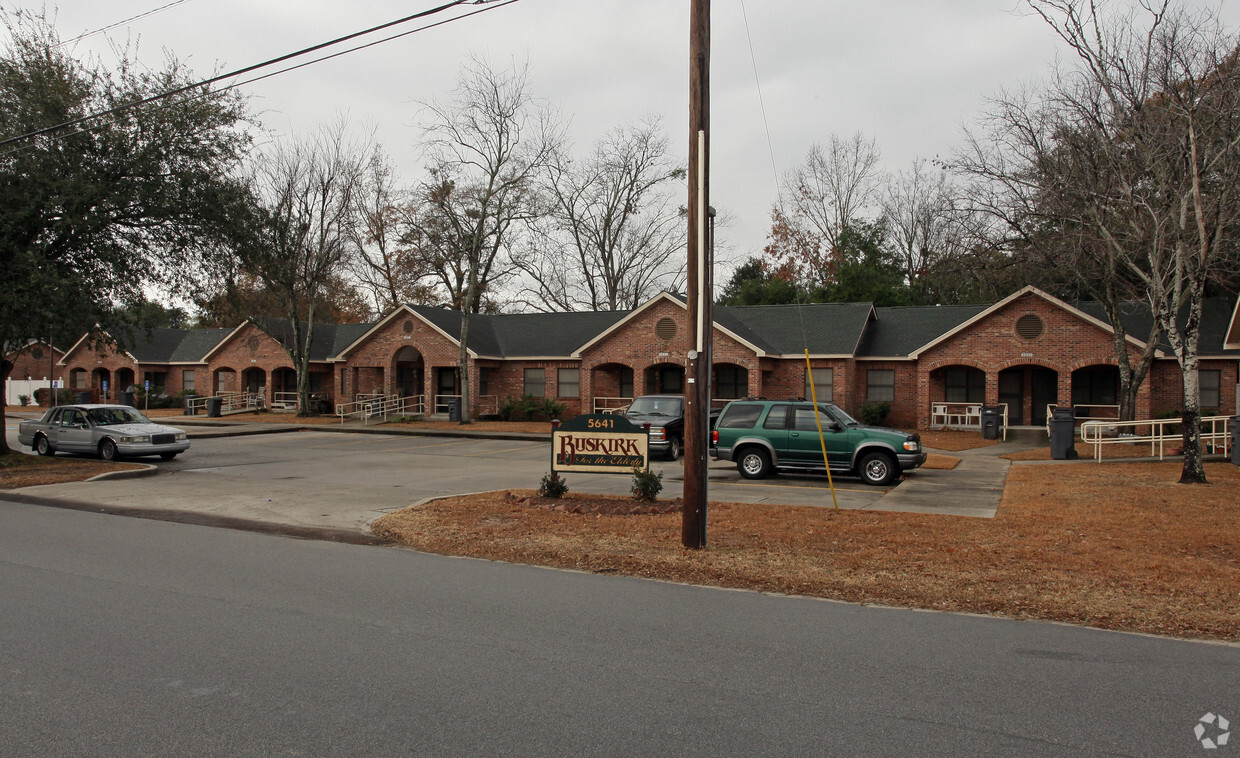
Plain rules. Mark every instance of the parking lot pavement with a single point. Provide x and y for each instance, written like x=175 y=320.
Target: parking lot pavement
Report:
x=328 y=480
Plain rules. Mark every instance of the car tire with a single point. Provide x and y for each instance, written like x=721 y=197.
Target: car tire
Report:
x=167 y=456
x=754 y=463
x=878 y=469
x=43 y=446
x=673 y=448
x=108 y=451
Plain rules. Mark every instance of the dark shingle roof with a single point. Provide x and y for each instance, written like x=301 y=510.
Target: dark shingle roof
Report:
x=898 y=331
x=1215 y=315
x=822 y=328
x=326 y=341
x=161 y=345
x=524 y=334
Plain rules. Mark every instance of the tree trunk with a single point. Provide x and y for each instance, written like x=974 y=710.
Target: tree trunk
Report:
x=464 y=366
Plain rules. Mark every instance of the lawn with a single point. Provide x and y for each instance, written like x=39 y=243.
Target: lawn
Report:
x=20 y=470
x=1113 y=545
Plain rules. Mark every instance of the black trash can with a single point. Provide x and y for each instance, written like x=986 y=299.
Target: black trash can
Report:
x=454 y=409
x=992 y=421
x=127 y=398
x=190 y=408
x=1233 y=428
x=1063 y=434
x=214 y=406
x=83 y=397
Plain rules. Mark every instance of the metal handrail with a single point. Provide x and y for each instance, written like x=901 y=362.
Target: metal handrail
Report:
x=229 y=401
x=611 y=404
x=381 y=406
x=1092 y=433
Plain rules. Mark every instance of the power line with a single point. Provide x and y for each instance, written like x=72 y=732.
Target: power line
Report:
x=762 y=105
x=84 y=35
x=257 y=66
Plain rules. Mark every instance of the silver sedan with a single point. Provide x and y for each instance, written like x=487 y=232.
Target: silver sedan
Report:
x=111 y=431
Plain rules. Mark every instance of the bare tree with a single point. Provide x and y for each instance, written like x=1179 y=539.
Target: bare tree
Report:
x=486 y=148
x=922 y=223
x=614 y=236
x=391 y=269
x=307 y=216
x=1129 y=165
x=834 y=184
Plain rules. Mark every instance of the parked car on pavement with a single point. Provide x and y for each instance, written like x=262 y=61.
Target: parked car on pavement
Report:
x=762 y=436
x=110 y=431
x=666 y=416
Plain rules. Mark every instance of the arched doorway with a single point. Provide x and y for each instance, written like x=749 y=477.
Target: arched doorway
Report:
x=254 y=379
x=409 y=372
x=1027 y=391
x=101 y=384
x=124 y=380
x=1095 y=391
x=729 y=381
x=611 y=386
x=665 y=379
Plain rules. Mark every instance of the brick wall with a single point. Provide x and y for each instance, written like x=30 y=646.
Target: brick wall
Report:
x=32 y=362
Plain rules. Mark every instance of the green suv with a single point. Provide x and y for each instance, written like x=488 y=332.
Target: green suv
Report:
x=765 y=435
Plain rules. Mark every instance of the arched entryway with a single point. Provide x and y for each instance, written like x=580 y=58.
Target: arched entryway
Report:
x=254 y=379
x=611 y=386
x=1027 y=391
x=409 y=369
x=224 y=380
x=665 y=379
x=101 y=384
x=1095 y=391
x=729 y=381
x=124 y=380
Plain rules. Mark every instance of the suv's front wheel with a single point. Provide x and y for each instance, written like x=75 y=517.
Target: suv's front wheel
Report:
x=878 y=469
x=754 y=463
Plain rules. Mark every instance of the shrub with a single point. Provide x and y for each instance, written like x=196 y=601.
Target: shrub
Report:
x=646 y=485
x=530 y=408
x=43 y=396
x=23 y=400
x=552 y=485
x=875 y=414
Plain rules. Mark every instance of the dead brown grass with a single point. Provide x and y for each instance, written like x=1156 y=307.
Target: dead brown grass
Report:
x=1118 y=546
x=940 y=461
x=1109 y=452
x=18 y=470
x=951 y=440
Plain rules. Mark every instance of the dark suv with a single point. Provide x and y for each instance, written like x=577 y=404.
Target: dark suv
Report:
x=765 y=435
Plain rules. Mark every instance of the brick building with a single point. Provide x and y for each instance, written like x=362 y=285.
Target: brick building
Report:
x=1026 y=352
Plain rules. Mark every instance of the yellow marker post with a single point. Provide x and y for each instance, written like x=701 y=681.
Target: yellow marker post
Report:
x=813 y=393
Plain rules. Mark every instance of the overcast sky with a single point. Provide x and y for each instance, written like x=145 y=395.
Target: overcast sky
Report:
x=909 y=73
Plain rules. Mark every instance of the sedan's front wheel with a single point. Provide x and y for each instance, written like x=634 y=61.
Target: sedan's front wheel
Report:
x=108 y=451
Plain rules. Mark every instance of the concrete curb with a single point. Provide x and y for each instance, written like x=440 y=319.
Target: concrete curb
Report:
x=148 y=469
x=195 y=518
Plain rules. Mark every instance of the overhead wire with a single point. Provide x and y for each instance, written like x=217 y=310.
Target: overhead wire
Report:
x=272 y=62
x=770 y=146
x=122 y=22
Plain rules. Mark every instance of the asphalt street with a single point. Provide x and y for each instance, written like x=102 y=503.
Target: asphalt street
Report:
x=126 y=637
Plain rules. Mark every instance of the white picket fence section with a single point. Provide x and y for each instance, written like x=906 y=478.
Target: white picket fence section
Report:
x=15 y=388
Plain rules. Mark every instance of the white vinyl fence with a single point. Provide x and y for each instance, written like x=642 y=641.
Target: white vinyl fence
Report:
x=13 y=388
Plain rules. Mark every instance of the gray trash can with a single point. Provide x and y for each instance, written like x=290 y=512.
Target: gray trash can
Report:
x=214 y=406
x=454 y=409
x=190 y=408
x=127 y=398
x=1233 y=428
x=1063 y=435
x=992 y=421
x=83 y=397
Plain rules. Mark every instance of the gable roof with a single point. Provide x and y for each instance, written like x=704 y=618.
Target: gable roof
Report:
x=626 y=316
x=1231 y=341
x=825 y=329
x=1028 y=290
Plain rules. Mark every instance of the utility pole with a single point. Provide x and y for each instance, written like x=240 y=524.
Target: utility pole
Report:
x=698 y=360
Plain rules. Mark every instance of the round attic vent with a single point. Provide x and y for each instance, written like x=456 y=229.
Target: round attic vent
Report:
x=665 y=329
x=252 y=343
x=1029 y=326
x=36 y=353
x=408 y=326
